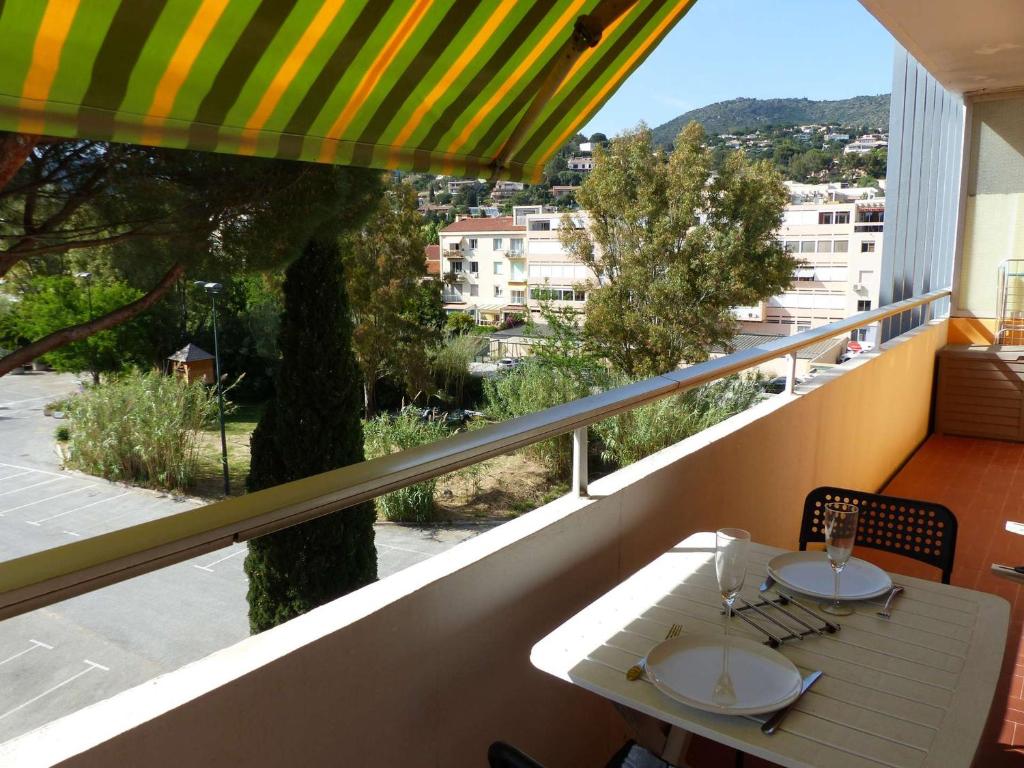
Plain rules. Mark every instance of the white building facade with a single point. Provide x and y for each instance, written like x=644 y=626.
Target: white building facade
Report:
x=839 y=247
x=501 y=268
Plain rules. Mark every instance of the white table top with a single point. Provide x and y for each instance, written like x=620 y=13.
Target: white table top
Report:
x=910 y=692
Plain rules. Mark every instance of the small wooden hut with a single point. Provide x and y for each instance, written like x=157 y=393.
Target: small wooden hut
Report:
x=193 y=363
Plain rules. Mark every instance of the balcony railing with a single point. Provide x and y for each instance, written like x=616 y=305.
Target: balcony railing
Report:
x=50 y=576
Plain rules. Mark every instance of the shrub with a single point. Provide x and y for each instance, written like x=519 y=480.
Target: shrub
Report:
x=63 y=434
x=389 y=434
x=631 y=436
x=141 y=428
x=450 y=365
x=533 y=386
x=459 y=323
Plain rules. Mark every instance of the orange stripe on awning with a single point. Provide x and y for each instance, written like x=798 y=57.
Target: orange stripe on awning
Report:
x=180 y=65
x=372 y=76
x=565 y=20
x=613 y=82
x=480 y=39
x=53 y=32
x=289 y=68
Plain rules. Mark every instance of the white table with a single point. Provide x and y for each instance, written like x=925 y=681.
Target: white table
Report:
x=909 y=692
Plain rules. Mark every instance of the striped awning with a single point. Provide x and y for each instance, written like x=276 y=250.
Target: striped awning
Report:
x=462 y=87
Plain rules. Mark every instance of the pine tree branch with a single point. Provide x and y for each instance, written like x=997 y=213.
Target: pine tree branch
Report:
x=81 y=331
x=14 y=151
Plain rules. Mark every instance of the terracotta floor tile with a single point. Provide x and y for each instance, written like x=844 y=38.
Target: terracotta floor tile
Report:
x=982 y=482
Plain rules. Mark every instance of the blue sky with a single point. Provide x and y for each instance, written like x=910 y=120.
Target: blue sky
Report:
x=723 y=49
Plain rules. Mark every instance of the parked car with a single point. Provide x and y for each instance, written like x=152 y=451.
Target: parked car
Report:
x=775 y=386
x=508 y=363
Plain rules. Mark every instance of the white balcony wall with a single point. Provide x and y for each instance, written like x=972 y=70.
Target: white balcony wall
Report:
x=427 y=667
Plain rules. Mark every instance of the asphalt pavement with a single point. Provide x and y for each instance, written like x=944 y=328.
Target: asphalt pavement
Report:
x=58 y=659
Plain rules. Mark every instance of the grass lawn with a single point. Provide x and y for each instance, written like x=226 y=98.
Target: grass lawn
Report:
x=237 y=428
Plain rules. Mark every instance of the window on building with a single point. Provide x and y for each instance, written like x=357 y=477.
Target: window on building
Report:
x=474 y=290
x=841 y=246
x=579 y=296
x=867 y=246
x=499 y=291
x=499 y=267
x=456 y=266
x=518 y=297
x=801 y=327
x=515 y=245
x=825 y=217
x=859 y=334
x=824 y=246
x=474 y=267
x=863 y=305
x=793 y=246
x=807 y=246
x=541 y=225
x=842 y=217
x=496 y=244
x=472 y=243
x=453 y=246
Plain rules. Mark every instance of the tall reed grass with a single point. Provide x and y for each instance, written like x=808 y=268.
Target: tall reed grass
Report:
x=141 y=428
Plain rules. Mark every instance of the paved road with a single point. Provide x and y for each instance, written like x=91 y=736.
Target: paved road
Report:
x=59 y=659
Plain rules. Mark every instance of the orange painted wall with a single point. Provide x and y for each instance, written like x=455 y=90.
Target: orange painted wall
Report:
x=972 y=330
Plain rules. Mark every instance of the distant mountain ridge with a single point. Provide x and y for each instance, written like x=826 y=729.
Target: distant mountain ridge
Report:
x=743 y=115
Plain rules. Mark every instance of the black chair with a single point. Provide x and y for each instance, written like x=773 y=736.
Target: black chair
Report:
x=922 y=530
x=502 y=755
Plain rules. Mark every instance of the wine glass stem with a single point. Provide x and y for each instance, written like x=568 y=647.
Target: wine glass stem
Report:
x=835 y=587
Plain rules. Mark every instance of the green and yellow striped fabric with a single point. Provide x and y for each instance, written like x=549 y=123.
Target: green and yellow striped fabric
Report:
x=428 y=85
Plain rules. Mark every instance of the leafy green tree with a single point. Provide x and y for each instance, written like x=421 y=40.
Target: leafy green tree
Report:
x=153 y=214
x=311 y=426
x=675 y=247
x=384 y=265
x=57 y=302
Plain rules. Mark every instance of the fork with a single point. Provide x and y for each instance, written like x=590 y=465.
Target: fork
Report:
x=886 y=611
x=634 y=672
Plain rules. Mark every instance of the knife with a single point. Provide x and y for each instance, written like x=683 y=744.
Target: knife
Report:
x=772 y=723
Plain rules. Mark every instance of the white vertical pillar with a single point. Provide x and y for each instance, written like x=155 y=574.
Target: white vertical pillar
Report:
x=579 y=461
x=790 y=373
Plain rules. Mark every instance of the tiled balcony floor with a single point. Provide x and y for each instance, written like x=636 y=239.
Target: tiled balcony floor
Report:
x=982 y=481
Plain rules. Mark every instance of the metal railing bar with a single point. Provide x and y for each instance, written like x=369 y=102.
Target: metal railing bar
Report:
x=46 y=577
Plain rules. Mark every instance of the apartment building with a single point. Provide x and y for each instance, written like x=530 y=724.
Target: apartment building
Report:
x=839 y=246
x=582 y=163
x=498 y=268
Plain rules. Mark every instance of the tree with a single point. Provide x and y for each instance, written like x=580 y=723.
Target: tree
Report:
x=166 y=211
x=311 y=425
x=384 y=264
x=57 y=302
x=675 y=247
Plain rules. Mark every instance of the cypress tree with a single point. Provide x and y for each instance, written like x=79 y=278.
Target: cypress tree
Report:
x=312 y=425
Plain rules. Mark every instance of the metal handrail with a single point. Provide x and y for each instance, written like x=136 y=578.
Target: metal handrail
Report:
x=55 y=574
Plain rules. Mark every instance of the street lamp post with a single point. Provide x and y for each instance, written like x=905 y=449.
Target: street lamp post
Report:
x=87 y=277
x=213 y=289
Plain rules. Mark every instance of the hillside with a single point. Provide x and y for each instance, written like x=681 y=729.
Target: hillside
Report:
x=742 y=115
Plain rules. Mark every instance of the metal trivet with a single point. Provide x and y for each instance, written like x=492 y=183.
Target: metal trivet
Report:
x=783 y=632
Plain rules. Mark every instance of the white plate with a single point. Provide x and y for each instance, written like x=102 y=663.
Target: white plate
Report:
x=690 y=669
x=810 y=574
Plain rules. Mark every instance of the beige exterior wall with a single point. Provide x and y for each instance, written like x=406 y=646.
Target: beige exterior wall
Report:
x=829 y=283
x=493 y=281
x=429 y=666
x=994 y=215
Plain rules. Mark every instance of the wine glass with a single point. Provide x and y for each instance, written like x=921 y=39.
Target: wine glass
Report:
x=731 y=545
x=840 y=524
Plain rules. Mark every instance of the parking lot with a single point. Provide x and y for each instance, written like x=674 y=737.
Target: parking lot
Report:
x=56 y=660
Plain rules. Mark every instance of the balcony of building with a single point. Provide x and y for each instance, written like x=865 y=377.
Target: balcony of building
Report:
x=434 y=661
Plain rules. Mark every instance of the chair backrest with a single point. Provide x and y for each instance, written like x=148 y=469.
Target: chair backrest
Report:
x=923 y=530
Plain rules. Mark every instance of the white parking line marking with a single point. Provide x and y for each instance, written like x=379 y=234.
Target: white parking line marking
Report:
x=404 y=549
x=34 y=485
x=92 y=665
x=209 y=566
x=76 y=509
x=35 y=644
x=48 y=498
x=16 y=474
x=31 y=469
